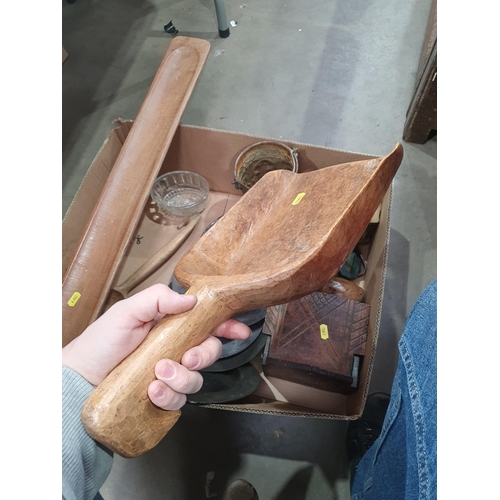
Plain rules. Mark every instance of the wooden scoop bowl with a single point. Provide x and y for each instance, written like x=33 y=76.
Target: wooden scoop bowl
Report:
x=282 y=240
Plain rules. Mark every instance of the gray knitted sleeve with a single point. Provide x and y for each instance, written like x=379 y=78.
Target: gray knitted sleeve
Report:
x=85 y=463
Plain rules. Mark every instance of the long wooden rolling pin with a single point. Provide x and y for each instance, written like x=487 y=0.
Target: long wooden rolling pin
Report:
x=92 y=270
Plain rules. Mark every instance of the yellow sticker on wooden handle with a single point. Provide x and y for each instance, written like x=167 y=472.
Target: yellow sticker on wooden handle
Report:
x=323 y=330
x=74 y=299
x=298 y=198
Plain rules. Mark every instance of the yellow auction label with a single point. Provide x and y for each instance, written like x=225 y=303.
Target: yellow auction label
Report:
x=323 y=330
x=74 y=299
x=298 y=198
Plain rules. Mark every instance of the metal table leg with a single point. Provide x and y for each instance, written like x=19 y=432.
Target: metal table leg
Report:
x=220 y=10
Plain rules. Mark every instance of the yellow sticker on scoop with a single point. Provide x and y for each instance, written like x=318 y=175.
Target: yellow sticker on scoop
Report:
x=298 y=198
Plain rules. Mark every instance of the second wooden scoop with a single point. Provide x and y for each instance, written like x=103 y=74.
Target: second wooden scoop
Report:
x=121 y=292
x=282 y=240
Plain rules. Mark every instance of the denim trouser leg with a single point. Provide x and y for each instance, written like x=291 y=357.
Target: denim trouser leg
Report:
x=401 y=464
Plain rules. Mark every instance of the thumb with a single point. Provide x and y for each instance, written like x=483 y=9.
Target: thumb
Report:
x=155 y=302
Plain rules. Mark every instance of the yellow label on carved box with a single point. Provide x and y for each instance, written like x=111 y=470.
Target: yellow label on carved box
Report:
x=323 y=330
x=74 y=299
x=298 y=198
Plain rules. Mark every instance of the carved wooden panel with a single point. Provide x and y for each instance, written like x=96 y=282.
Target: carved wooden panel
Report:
x=314 y=340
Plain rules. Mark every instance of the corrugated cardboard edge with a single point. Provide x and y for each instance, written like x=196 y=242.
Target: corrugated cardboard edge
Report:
x=298 y=413
x=82 y=184
x=385 y=259
x=118 y=121
x=73 y=218
x=265 y=138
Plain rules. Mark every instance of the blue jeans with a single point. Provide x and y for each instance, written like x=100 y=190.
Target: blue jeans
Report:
x=401 y=464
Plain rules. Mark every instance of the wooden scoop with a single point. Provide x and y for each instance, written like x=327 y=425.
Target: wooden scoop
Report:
x=282 y=240
x=121 y=292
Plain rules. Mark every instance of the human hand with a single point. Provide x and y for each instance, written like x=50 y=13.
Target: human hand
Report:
x=121 y=329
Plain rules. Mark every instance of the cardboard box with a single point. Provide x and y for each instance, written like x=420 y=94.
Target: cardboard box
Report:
x=212 y=153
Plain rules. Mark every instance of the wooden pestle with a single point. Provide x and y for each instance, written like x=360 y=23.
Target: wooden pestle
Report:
x=343 y=288
x=121 y=292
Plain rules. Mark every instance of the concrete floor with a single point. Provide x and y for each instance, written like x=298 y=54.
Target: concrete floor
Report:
x=331 y=73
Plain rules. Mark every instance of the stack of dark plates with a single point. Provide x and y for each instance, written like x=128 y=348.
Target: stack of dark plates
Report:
x=232 y=376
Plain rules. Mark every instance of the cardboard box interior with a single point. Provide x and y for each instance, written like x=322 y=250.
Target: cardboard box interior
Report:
x=212 y=154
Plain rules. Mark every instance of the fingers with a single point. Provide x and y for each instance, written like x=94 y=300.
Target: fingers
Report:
x=174 y=382
x=164 y=397
x=153 y=303
x=203 y=355
x=232 y=329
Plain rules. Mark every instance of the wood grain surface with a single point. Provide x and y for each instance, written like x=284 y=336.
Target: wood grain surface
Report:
x=282 y=240
x=343 y=288
x=121 y=291
x=314 y=340
x=92 y=269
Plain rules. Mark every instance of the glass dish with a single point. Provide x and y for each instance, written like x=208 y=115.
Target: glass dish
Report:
x=181 y=193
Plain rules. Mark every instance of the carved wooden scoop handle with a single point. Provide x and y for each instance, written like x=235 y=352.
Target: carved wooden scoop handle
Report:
x=119 y=413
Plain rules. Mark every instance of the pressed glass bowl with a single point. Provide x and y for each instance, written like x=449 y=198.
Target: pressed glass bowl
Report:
x=180 y=193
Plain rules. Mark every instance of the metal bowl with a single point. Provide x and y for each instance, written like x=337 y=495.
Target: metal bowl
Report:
x=260 y=158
